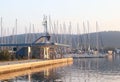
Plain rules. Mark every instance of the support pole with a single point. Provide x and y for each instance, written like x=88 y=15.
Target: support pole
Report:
x=29 y=52
x=46 y=53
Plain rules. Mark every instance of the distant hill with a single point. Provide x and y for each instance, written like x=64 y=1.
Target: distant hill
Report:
x=109 y=39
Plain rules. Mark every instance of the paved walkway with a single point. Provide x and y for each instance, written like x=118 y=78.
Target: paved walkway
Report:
x=18 y=61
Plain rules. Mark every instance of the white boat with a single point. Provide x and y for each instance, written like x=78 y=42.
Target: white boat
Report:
x=87 y=55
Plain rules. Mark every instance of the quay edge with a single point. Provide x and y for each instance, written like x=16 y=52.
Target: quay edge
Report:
x=30 y=65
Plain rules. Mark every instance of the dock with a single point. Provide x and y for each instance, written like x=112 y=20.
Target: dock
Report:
x=30 y=65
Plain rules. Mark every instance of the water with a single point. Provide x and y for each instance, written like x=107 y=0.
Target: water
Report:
x=81 y=70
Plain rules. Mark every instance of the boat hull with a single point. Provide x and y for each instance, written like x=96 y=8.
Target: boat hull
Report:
x=89 y=56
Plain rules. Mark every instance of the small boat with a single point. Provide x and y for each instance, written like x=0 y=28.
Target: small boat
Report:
x=88 y=55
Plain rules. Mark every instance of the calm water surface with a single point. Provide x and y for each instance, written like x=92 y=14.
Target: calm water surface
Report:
x=82 y=70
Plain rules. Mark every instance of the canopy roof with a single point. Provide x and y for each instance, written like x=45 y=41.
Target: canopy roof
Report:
x=37 y=44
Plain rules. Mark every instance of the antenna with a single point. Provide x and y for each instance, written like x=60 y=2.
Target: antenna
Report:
x=45 y=24
x=46 y=29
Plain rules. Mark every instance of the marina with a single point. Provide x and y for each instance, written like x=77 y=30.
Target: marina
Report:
x=54 y=59
x=59 y=40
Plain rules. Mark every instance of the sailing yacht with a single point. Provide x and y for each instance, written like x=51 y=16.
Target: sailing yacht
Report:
x=91 y=53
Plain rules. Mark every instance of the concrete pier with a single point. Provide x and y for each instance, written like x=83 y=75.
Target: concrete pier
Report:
x=30 y=71
x=31 y=65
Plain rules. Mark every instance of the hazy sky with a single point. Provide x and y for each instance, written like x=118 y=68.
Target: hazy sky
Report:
x=106 y=12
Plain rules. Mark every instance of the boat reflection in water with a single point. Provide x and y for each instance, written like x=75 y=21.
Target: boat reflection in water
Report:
x=97 y=69
x=46 y=73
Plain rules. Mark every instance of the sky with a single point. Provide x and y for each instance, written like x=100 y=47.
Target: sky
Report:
x=29 y=12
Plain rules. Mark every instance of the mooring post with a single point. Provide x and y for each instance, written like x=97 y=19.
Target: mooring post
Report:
x=29 y=52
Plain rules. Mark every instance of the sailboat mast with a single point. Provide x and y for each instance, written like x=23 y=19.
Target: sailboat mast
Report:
x=1 y=32
x=16 y=31
x=88 y=36
x=51 y=28
x=97 y=35
x=57 y=28
x=61 y=34
x=84 y=36
x=29 y=36
x=26 y=35
x=70 y=34
x=78 y=40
